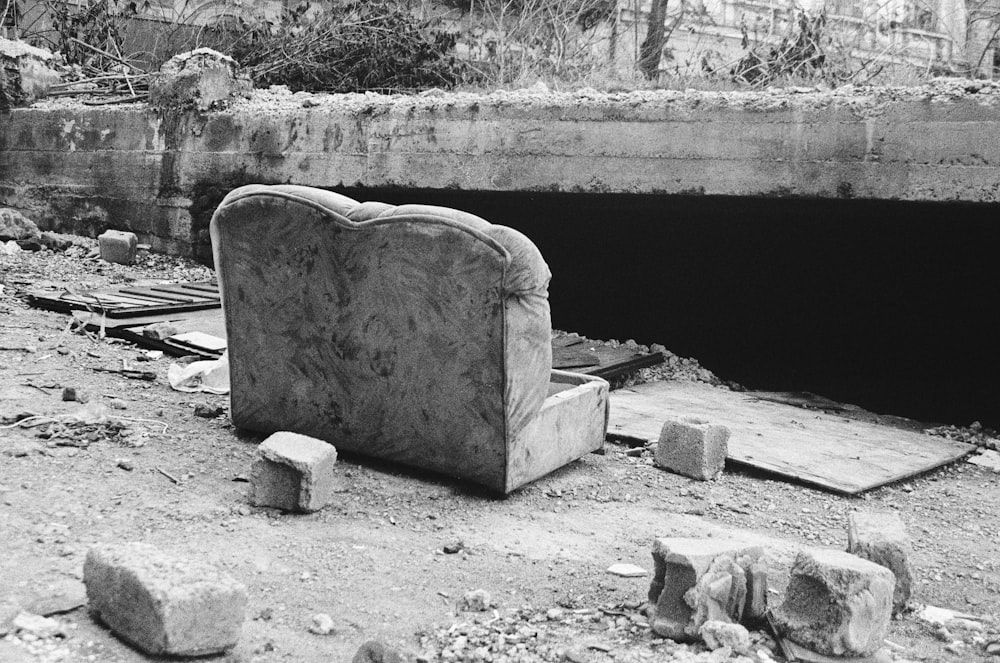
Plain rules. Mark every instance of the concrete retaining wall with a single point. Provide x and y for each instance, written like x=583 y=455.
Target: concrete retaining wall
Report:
x=83 y=169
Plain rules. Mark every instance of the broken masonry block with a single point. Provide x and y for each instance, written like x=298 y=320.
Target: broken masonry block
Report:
x=26 y=73
x=699 y=580
x=726 y=634
x=118 y=246
x=294 y=473
x=202 y=79
x=163 y=604
x=881 y=537
x=692 y=447
x=16 y=226
x=836 y=603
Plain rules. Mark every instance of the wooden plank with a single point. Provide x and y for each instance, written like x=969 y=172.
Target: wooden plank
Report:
x=616 y=362
x=153 y=293
x=816 y=448
x=179 y=289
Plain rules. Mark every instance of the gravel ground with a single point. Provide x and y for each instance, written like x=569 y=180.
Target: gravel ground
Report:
x=393 y=559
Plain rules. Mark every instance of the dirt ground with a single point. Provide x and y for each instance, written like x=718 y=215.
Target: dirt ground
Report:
x=392 y=559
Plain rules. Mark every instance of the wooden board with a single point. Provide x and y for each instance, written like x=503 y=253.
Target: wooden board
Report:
x=816 y=448
x=132 y=301
x=571 y=353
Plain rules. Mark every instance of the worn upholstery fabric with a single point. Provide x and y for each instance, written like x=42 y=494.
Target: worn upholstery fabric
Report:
x=414 y=333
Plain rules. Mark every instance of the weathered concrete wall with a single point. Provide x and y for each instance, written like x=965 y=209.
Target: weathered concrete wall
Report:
x=83 y=169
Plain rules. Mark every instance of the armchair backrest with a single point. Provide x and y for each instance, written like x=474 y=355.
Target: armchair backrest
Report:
x=414 y=333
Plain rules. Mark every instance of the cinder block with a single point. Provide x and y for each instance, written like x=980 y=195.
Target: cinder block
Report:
x=162 y=604
x=700 y=580
x=294 y=473
x=692 y=447
x=836 y=603
x=118 y=246
x=881 y=537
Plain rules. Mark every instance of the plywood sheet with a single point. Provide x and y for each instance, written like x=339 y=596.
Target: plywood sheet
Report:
x=816 y=448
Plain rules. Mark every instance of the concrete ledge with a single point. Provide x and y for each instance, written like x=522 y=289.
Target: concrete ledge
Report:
x=84 y=169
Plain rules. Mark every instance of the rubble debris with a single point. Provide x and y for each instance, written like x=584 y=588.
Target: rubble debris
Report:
x=725 y=634
x=322 y=624
x=16 y=226
x=37 y=625
x=9 y=248
x=25 y=73
x=202 y=79
x=161 y=603
x=836 y=604
x=880 y=537
x=699 y=580
x=477 y=600
x=627 y=570
x=374 y=651
x=293 y=473
x=692 y=447
x=56 y=241
x=159 y=331
x=118 y=246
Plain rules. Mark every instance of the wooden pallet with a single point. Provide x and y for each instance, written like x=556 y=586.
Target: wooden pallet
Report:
x=132 y=301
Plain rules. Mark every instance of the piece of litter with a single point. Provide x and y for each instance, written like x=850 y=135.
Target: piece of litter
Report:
x=989 y=459
x=627 y=570
x=209 y=376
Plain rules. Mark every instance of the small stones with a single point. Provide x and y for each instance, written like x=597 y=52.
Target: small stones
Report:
x=322 y=624
x=478 y=600
x=692 y=447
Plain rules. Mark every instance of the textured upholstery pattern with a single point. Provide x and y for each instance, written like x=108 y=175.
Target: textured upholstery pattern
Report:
x=415 y=333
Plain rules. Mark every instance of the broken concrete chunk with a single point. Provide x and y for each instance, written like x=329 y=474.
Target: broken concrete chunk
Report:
x=16 y=226
x=477 y=600
x=202 y=79
x=881 y=537
x=118 y=246
x=26 y=73
x=692 y=447
x=699 y=580
x=162 y=604
x=294 y=473
x=724 y=634
x=836 y=604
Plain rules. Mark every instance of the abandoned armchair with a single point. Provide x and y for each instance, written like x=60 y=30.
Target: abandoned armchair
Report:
x=416 y=334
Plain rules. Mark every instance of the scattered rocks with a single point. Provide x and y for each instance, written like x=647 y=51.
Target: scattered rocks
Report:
x=881 y=537
x=163 y=604
x=159 y=331
x=836 y=603
x=478 y=600
x=692 y=447
x=322 y=624
x=293 y=473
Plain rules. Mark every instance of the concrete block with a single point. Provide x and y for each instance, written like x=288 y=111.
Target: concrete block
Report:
x=692 y=447
x=836 y=604
x=117 y=246
x=163 y=604
x=203 y=79
x=881 y=537
x=26 y=73
x=725 y=634
x=294 y=473
x=699 y=580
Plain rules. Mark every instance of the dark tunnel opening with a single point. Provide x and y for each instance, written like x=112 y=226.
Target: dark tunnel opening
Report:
x=882 y=304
